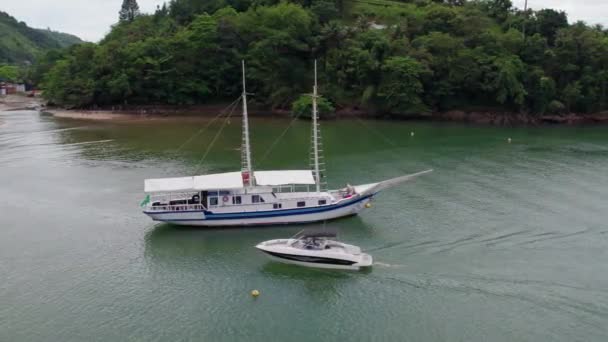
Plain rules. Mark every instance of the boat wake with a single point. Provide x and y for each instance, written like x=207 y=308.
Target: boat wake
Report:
x=382 y=264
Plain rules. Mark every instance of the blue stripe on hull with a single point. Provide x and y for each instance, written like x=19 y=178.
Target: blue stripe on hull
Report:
x=210 y=216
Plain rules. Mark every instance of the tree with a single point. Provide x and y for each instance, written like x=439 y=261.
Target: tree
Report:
x=571 y=95
x=129 y=10
x=325 y=10
x=546 y=94
x=279 y=40
x=400 y=88
x=9 y=73
x=506 y=80
x=302 y=107
x=71 y=82
x=498 y=9
x=549 y=21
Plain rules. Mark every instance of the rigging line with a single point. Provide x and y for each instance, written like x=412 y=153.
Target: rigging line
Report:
x=200 y=131
x=378 y=133
x=217 y=135
x=274 y=143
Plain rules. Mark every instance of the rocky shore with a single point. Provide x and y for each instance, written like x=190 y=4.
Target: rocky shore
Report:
x=485 y=117
x=506 y=118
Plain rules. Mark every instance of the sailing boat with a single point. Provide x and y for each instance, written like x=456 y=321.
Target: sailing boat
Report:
x=249 y=197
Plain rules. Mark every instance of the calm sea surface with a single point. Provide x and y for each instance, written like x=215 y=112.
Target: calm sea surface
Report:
x=503 y=242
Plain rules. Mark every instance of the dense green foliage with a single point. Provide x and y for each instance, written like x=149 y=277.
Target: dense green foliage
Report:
x=302 y=107
x=10 y=73
x=378 y=55
x=20 y=43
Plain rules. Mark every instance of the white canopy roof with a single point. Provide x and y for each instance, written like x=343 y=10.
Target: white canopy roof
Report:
x=228 y=180
x=284 y=177
x=169 y=184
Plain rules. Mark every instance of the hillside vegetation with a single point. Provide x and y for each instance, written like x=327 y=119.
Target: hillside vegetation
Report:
x=383 y=57
x=20 y=43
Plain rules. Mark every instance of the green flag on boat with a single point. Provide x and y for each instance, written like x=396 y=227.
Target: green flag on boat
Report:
x=145 y=201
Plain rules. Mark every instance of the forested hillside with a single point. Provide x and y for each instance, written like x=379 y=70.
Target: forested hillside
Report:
x=20 y=44
x=380 y=56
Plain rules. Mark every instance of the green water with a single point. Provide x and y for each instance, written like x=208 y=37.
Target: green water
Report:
x=503 y=242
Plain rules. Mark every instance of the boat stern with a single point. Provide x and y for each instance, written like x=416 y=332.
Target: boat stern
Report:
x=365 y=261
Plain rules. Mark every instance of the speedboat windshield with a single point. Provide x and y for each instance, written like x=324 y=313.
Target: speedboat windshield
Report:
x=304 y=234
x=310 y=243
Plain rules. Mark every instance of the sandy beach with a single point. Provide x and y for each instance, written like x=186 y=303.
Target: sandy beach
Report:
x=94 y=115
x=17 y=102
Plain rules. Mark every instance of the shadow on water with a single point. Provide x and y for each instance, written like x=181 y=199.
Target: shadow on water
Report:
x=281 y=270
x=321 y=285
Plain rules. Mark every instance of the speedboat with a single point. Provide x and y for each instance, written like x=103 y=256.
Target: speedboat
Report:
x=315 y=249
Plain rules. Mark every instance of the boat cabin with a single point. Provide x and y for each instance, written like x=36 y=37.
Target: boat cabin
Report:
x=226 y=192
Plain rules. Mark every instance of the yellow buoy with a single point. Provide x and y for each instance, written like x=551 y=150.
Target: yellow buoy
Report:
x=368 y=205
x=255 y=293
x=412 y=134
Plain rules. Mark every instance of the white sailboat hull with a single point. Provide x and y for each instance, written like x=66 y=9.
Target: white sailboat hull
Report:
x=275 y=217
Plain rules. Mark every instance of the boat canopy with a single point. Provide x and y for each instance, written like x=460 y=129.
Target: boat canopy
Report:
x=228 y=180
x=218 y=181
x=169 y=184
x=271 y=178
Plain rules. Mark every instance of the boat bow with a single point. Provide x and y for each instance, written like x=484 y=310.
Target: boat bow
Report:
x=373 y=188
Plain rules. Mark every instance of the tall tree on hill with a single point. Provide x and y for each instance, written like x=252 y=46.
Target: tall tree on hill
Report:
x=129 y=10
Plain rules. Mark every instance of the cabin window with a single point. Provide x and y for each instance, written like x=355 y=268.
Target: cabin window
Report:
x=236 y=200
x=212 y=200
x=322 y=202
x=301 y=204
x=277 y=205
x=224 y=193
x=257 y=199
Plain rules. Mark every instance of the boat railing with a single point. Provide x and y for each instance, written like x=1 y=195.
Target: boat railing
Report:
x=177 y=207
x=291 y=188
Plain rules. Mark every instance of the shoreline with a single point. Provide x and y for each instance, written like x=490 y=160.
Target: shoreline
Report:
x=19 y=102
x=154 y=113
x=95 y=115
x=473 y=117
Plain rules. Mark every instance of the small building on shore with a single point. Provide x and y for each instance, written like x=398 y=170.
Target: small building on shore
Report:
x=12 y=88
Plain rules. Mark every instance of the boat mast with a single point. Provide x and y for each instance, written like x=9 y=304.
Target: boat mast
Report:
x=315 y=134
x=245 y=147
